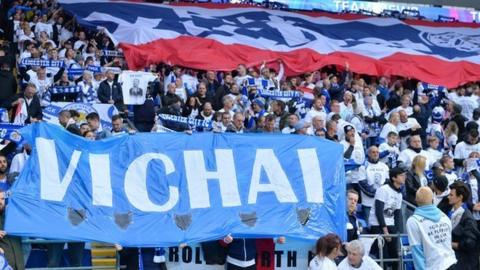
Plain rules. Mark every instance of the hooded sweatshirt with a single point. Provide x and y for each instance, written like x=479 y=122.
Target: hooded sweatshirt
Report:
x=430 y=235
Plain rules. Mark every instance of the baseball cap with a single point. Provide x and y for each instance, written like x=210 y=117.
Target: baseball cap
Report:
x=347 y=128
x=300 y=125
x=259 y=101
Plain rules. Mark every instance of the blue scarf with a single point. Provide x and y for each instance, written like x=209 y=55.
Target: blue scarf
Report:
x=110 y=53
x=42 y=62
x=275 y=94
x=55 y=90
x=91 y=95
x=79 y=71
x=192 y=122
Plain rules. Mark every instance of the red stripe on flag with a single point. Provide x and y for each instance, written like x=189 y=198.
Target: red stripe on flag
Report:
x=208 y=54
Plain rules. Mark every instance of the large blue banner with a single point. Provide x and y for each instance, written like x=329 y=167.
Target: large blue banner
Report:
x=153 y=189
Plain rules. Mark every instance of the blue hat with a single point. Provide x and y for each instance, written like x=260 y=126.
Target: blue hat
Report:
x=299 y=125
x=259 y=101
x=437 y=114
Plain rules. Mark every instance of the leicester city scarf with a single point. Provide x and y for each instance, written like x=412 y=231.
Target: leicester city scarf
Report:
x=276 y=94
x=192 y=122
x=42 y=62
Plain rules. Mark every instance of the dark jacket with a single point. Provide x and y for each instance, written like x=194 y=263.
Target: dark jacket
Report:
x=34 y=109
x=352 y=234
x=412 y=184
x=212 y=87
x=72 y=128
x=177 y=126
x=444 y=206
x=105 y=91
x=206 y=98
x=222 y=91
x=144 y=113
x=169 y=99
x=467 y=236
x=393 y=101
x=12 y=246
x=460 y=121
x=242 y=249
x=8 y=86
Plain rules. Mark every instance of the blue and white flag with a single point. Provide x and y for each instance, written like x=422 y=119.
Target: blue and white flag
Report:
x=163 y=189
x=223 y=36
x=431 y=89
x=10 y=132
x=105 y=111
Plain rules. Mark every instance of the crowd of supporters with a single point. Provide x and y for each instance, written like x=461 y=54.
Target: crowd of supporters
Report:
x=399 y=135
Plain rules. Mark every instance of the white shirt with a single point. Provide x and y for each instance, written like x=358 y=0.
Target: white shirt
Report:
x=468 y=105
x=242 y=80
x=190 y=83
x=358 y=154
x=324 y=263
x=435 y=155
x=411 y=122
x=387 y=128
x=392 y=200
x=222 y=110
x=451 y=177
x=408 y=110
x=80 y=43
x=182 y=93
x=393 y=153
x=44 y=27
x=41 y=85
x=313 y=113
x=367 y=264
x=346 y=111
x=434 y=128
x=376 y=175
x=463 y=150
x=435 y=238
x=18 y=162
x=407 y=156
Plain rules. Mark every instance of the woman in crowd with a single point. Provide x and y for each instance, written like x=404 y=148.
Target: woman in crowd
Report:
x=415 y=178
x=327 y=249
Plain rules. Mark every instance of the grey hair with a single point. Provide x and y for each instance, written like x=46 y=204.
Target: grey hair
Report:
x=355 y=246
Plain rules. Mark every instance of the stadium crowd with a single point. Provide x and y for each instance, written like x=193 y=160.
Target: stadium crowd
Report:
x=402 y=139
